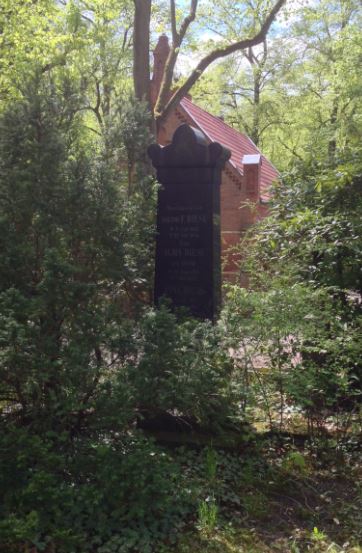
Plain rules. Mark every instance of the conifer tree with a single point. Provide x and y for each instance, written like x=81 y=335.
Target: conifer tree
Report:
x=66 y=222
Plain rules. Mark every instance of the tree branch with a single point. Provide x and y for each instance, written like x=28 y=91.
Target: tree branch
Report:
x=177 y=38
x=125 y=37
x=270 y=124
x=244 y=123
x=173 y=21
x=141 y=48
x=264 y=55
x=162 y=114
x=291 y=150
x=91 y=128
x=188 y=20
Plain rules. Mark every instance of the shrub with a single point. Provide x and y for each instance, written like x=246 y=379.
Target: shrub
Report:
x=65 y=223
x=115 y=495
x=183 y=367
x=299 y=348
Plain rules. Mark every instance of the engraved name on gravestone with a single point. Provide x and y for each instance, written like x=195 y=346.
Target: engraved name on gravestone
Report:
x=188 y=266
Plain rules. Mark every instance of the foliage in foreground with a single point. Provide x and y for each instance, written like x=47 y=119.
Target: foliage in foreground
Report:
x=281 y=497
x=81 y=366
x=314 y=231
x=108 y=495
x=133 y=496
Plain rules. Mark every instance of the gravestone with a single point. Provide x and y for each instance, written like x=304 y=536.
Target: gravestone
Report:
x=188 y=265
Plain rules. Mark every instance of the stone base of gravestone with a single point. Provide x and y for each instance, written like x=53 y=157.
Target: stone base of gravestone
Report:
x=188 y=265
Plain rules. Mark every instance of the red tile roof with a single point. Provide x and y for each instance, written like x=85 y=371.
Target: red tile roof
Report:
x=239 y=144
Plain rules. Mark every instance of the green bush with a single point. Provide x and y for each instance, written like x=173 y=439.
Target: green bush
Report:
x=299 y=348
x=67 y=263
x=183 y=367
x=115 y=495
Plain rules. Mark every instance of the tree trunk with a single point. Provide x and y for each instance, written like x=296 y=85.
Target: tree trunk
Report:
x=141 y=50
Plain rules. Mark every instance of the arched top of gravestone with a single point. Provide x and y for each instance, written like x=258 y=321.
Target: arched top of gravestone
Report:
x=189 y=148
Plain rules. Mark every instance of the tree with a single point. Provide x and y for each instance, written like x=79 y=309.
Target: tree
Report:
x=76 y=368
x=249 y=76
x=168 y=98
x=87 y=42
x=296 y=101
x=314 y=229
x=25 y=41
x=321 y=107
x=102 y=57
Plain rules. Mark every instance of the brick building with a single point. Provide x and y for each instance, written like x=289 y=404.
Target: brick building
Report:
x=247 y=175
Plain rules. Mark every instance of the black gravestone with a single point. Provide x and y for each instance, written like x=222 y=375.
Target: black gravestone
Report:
x=188 y=266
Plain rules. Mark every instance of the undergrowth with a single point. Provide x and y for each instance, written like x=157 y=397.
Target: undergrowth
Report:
x=278 y=498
